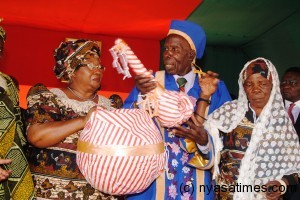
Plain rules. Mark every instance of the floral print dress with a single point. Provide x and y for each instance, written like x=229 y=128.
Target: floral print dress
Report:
x=55 y=172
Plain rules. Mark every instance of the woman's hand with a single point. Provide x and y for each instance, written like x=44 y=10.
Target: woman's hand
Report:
x=194 y=132
x=209 y=83
x=4 y=174
x=87 y=117
x=145 y=83
x=273 y=192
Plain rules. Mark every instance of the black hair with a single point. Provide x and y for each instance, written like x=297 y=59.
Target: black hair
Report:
x=293 y=69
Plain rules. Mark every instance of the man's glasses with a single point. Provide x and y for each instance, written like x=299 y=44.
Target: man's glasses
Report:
x=289 y=82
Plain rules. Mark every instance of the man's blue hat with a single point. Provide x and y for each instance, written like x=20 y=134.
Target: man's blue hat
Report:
x=192 y=32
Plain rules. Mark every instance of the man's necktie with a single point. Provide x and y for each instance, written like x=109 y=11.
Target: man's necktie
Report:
x=290 y=112
x=181 y=83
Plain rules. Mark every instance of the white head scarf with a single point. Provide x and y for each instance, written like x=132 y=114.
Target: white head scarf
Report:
x=273 y=150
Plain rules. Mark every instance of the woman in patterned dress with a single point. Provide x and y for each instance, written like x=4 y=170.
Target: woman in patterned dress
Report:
x=57 y=116
x=15 y=177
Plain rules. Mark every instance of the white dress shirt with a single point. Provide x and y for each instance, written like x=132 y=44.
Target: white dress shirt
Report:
x=296 y=109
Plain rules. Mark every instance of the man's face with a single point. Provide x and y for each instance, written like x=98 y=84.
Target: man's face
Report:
x=177 y=55
x=290 y=86
x=1 y=47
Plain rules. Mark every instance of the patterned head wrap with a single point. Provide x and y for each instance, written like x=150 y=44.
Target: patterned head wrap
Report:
x=274 y=147
x=257 y=67
x=69 y=56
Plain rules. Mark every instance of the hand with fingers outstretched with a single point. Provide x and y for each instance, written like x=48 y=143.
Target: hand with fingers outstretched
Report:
x=208 y=83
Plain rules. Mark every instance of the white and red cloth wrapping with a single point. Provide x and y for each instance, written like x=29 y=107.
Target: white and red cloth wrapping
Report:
x=173 y=108
x=120 y=151
x=170 y=108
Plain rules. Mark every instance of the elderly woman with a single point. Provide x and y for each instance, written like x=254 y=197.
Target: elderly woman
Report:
x=57 y=116
x=256 y=146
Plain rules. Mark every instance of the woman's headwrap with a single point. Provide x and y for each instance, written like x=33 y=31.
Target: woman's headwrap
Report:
x=274 y=147
x=257 y=67
x=69 y=56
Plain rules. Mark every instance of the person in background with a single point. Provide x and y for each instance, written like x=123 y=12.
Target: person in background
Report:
x=116 y=101
x=15 y=177
x=56 y=118
x=255 y=144
x=185 y=42
x=290 y=90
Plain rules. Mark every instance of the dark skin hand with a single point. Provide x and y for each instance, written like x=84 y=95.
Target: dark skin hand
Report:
x=271 y=194
x=195 y=131
x=4 y=174
x=145 y=83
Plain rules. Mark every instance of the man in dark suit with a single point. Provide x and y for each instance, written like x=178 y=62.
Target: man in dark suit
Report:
x=290 y=90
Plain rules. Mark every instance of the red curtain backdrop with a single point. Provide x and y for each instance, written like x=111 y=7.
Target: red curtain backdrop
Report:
x=28 y=56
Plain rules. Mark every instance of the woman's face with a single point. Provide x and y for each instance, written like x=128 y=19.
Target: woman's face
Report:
x=258 y=90
x=90 y=73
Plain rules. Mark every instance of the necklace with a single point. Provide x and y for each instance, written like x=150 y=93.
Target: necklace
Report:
x=88 y=99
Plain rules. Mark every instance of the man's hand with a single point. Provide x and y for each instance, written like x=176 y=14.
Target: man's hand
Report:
x=195 y=132
x=145 y=83
x=4 y=174
x=209 y=83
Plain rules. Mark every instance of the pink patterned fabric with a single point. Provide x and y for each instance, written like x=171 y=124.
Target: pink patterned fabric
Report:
x=174 y=108
x=120 y=163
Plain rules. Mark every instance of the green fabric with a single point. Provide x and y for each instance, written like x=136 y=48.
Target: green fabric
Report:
x=239 y=31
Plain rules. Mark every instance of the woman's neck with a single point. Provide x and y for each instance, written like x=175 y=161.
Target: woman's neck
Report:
x=82 y=95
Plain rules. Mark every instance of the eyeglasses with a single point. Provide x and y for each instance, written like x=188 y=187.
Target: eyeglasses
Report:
x=289 y=82
x=91 y=66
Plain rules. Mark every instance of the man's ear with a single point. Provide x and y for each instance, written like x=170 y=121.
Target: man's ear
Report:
x=192 y=54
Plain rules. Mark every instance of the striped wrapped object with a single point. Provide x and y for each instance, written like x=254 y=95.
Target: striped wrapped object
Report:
x=174 y=108
x=120 y=151
x=170 y=108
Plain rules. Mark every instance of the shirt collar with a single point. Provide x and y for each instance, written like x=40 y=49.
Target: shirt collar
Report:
x=287 y=103
x=190 y=77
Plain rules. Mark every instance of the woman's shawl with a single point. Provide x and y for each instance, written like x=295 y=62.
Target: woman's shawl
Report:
x=274 y=147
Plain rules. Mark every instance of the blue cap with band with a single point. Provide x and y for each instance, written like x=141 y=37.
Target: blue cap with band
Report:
x=192 y=32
